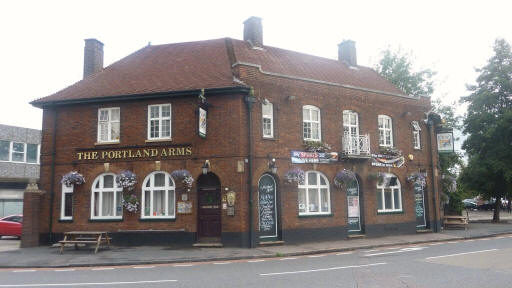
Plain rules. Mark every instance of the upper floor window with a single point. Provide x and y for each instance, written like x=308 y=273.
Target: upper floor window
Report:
x=416 y=142
x=314 y=196
x=108 y=124
x=267 y=114
x=106 y=198
x=389 y=196
x=159 y=121
x=385 y=131
x=158 y=196
x=19 y=152
x=66 y=207
x=311 y=123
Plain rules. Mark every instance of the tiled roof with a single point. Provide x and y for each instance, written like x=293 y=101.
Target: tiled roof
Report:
x=205 y=64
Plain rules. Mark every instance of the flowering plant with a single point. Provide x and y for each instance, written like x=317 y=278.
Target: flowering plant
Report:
x=184 y=176
x=126 y=179
x=418 y=178
x=295 y=175
x=131 y=203
x=72 y=178
x=343 y=177
x=391 y=151
x=316 y=146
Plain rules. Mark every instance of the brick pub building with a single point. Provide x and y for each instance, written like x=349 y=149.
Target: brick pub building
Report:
x=282 y=146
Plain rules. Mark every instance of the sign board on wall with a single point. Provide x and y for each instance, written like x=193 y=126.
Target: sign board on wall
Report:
x=445 y=142
x=133 y=152
x=202 y=122
x=314 y=157
x=382 y=160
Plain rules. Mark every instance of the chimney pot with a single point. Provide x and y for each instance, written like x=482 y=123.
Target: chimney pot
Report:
x=347 y=52
x=93 y=56
x=253 y=31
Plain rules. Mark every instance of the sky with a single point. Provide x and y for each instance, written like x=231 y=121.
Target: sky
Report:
x=41 y=49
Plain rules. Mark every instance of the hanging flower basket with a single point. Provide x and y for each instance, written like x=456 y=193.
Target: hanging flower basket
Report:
x=72 y=178
x=295 y=175
x=126 y=179
x=184 y=177
x=316 y=146
x=131 y=203
x=379 y=177
x=417 y=178
x=391 y=151
x=343 y=177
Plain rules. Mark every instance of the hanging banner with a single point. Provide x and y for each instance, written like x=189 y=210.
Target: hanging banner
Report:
x=382 y=160
x=313 y=157
x=202 y=122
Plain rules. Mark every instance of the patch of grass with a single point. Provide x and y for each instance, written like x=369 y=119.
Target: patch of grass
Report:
x=279 y=254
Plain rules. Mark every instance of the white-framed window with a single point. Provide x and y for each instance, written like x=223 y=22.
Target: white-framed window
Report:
x=389 y=196
x=385 y=131
x=314 y=195
x=159 y=121
x=20 y=152
x=158 y=196
x=106 y=198
x=66 y=206
x=351 y=129
x=416 y=142
x=108 y=124
x=311 y=124
x=267 y=114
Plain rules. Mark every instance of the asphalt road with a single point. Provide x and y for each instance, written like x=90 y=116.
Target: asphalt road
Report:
x=468 y=263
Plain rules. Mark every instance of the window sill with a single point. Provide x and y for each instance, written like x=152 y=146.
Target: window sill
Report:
x=65 y=220
x=158 y=140
x=269 y=138
x=157 y=219
x=105 y=219
x=315 y=215
x=107 y=143
x=390 y=212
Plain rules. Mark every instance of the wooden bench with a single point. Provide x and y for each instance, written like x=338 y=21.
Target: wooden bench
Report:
x=455 y=220
x=85 y=237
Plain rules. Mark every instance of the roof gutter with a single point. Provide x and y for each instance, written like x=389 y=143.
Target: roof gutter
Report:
x=145 y=96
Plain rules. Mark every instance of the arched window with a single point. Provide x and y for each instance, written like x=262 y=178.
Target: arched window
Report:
x=311 y=125
x=314 y=195
x=385 y=131
x=106 y=198
x=158 y=196
x=389 y=196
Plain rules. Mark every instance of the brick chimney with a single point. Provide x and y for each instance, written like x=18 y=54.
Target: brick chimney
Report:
x=93 y=56
x=347 y=52
x=253 y=31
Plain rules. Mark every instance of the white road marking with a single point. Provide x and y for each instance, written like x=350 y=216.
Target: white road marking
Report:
x=101 y=269
x=458 y=254
x=315 y=256
x=21 y=271
x=324 y=269
x=501 y=237
x=484 y=239
x=452 y=242
x=344 y=253
x=143 y=267
x=434 y=244
x=221 y=263
x=255 y=261
x=288 y=258
x=87 y=284
x=409 y=249
x=374 y=250
x=183 y=265
x=64 y=270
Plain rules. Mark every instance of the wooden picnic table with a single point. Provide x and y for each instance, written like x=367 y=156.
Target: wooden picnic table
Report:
x=85 y=237
x=455 y=220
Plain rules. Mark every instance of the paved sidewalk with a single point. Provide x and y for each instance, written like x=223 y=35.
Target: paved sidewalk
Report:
x=50 y=257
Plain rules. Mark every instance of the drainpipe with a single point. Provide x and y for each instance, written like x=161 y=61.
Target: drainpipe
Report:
x=431 y=135
x=52 y=179
x=250 y=100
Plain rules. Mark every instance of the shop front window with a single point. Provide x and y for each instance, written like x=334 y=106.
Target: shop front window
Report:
x=314 y=195
x=158 y=196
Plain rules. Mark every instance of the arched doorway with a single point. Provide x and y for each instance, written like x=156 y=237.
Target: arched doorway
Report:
x=354 y=220
x=268 y=212
x=209 y=208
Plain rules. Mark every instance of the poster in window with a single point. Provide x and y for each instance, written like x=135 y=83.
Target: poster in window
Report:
x=445 y=142
x=353 y=206
x=202 y=122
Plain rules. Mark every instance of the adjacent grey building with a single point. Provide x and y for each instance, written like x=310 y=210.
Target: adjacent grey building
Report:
x=19 y=163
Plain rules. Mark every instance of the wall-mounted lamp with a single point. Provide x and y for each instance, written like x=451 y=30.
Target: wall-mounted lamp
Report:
x=411 y=157
x=272 y=167
x=206 y=167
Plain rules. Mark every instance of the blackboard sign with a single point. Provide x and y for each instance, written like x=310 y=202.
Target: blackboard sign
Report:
x=267 y=207
x=419 y=205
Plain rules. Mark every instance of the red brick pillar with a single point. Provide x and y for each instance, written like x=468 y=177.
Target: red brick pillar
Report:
x=31 y=216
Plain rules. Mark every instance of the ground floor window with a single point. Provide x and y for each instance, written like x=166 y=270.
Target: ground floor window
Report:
x=107 y=198
x=314 y=196
x=158 y=196
x=66 y=209
x=389 y=196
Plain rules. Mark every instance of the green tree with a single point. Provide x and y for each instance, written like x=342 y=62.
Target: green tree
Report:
x=396 y=67
x=488 y=124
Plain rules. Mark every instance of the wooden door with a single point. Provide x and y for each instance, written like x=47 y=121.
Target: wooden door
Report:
x=209 y=212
